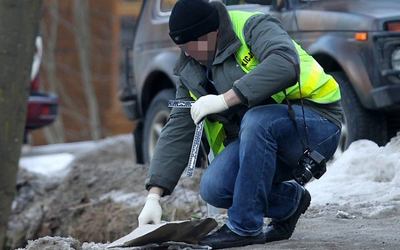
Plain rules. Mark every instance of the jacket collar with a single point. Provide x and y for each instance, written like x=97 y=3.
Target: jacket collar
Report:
x=228 y=42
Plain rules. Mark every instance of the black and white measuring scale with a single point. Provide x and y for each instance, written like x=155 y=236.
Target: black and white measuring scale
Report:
x=194 y=151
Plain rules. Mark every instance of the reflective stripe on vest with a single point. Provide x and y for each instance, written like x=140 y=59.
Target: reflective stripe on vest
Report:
x=315 y=84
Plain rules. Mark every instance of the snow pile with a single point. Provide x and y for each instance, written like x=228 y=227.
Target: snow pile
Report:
x=103 y=193
x=53 y=165
x=365 y=176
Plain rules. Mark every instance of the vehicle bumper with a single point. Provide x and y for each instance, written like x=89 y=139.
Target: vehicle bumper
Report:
x=130 y=110
x=130 y=103
x=42 y=111
x=386 y=96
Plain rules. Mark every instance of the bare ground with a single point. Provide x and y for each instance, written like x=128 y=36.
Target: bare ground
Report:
x=330 y=232
x=101 y=197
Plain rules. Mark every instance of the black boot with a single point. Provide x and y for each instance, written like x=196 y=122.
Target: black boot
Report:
x=224 y=238
x=282 y=230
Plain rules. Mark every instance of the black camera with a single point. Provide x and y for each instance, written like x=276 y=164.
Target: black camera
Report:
x=311 y=164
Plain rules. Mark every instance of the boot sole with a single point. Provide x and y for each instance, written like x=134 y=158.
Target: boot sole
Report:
x=240 y=243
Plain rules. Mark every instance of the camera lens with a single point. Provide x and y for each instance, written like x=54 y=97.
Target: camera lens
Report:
x=306 y=176
x=311 y=164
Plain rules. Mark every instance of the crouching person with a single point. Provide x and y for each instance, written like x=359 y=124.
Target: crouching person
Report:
x=265 y=102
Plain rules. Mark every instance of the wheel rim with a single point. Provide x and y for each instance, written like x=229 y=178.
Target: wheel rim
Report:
x=344 y=136
x=159 y=121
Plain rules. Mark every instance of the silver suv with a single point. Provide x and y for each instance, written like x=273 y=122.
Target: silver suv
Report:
x=357 y=41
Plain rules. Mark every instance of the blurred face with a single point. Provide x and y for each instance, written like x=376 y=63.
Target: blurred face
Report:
x=202 y=50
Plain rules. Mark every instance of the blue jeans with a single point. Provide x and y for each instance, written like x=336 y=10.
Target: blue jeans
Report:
x=252 y=177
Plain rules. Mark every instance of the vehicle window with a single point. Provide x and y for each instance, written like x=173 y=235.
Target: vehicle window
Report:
x=233 y=2
x=166 y=5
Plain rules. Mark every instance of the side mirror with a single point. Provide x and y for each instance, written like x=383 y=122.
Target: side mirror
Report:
x=262 y=2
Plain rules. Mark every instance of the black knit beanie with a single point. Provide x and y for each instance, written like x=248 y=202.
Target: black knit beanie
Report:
x=191 y=19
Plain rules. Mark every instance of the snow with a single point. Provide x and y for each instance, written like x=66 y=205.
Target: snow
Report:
x=47 y=165
x=131 y=199
x=53 y=159
x=365 y=175
x=362 y=182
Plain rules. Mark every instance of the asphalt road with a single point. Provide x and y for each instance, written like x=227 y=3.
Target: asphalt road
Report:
x=328 y=232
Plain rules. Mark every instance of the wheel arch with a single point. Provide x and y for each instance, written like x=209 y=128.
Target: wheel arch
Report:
x=335 y=53
x=155 y=83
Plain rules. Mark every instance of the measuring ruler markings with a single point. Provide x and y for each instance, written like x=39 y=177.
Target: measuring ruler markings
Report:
x=194 y=151
x=180 y=104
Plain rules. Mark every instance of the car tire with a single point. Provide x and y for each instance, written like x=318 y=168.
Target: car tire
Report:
x=359 y=122
x=156 y=117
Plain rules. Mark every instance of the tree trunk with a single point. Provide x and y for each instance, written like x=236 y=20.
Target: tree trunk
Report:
x=54 y=133
x=19 y=20
x=82 y=37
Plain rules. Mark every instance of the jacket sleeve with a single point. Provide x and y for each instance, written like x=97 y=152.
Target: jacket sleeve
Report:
x=173 y=147
x=269 y=42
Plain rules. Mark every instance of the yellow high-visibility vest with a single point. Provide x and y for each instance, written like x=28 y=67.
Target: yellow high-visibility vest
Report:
x=316 y=85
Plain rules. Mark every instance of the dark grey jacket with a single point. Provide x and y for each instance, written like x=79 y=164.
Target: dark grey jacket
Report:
x=265 y=35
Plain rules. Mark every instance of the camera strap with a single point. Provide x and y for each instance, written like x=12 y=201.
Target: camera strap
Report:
x=306 y=144
x=311 y=164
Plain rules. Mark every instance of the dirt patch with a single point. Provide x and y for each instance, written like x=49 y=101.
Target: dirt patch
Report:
x=100 y=198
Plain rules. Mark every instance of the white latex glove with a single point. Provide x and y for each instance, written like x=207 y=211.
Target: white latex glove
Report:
x=151 y=211
x=205 y=105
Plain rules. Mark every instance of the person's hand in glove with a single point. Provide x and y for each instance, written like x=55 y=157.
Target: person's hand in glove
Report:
x=205 y=105
x=151 y=211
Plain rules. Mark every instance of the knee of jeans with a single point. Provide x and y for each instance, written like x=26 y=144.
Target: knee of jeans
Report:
x=250 y=123
x=210 y=193
x=250 y=116
x=253 y=124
